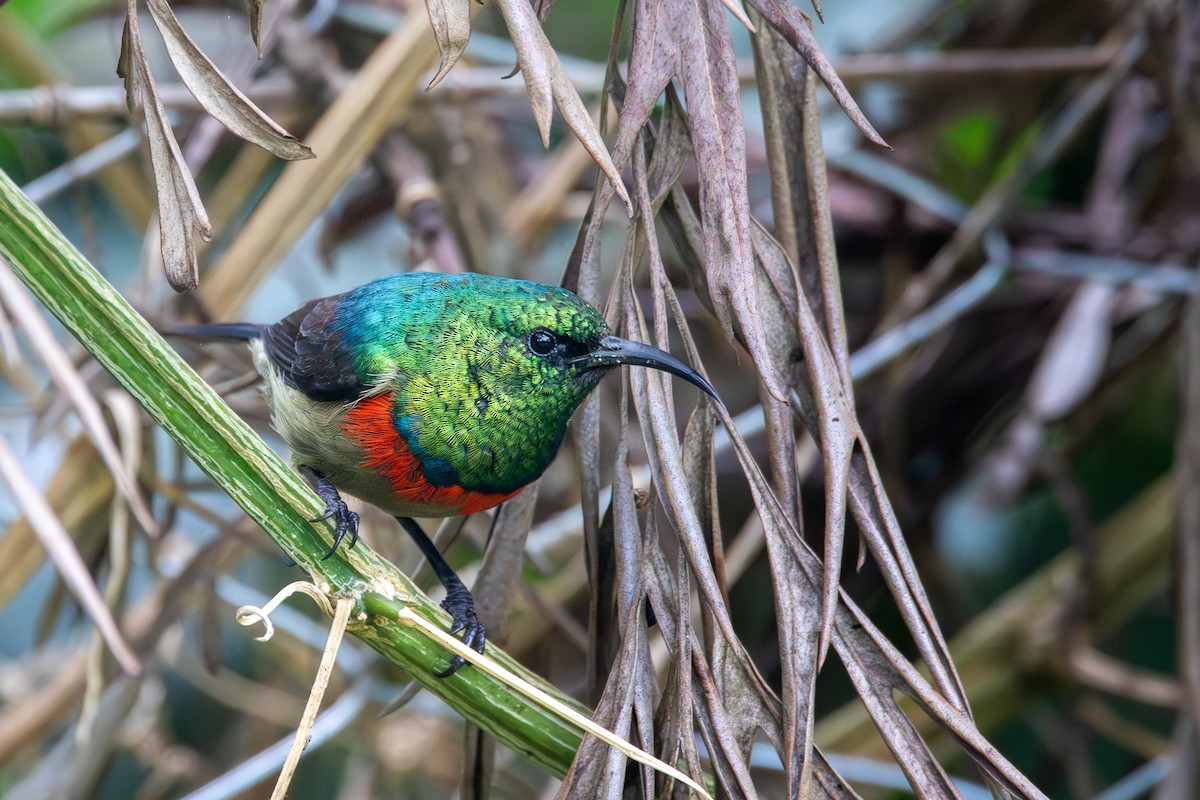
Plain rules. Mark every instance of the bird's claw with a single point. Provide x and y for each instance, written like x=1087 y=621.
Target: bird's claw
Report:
x=347 y=522
x=461 y=608
x=335 y=507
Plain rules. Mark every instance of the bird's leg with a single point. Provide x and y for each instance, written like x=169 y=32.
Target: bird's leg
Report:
x=458 y=603
x=345 y=519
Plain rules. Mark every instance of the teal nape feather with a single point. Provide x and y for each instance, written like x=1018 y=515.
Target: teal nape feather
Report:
x=434 y=395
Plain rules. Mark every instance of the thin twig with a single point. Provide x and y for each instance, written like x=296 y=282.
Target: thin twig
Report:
x=52 y=106
x=998 y=201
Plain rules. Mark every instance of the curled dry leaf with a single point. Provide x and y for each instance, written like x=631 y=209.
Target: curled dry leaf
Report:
x=451 y=22
x=181 y=214
x=548 y=84
x=218 y=96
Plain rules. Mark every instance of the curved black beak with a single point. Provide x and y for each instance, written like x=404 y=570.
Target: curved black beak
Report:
x=613 y=351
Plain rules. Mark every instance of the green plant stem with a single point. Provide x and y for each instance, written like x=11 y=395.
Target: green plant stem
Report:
x=236 y=459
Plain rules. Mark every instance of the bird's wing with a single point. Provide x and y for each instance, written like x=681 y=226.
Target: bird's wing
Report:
x=309 y=353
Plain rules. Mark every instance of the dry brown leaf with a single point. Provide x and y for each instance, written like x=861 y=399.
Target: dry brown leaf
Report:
x=548 y=85
x=599 y=770
x=739 y=13
x=181 y=213
x=496 y=584
x=837 y=429
x=543 y=9
x=868 y=503
x=254 y=16
x=789 y=20
x=872 y=676
x=451 y=22
x=218 y=96
x=709 y=76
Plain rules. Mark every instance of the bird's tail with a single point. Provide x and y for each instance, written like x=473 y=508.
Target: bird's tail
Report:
x=243 y=331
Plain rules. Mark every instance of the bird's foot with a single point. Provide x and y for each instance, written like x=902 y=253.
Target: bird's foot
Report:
x=346 y=521
x=458 y=603
x=461 y=607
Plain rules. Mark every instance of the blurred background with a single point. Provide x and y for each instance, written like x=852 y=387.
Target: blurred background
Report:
x=1019 y=282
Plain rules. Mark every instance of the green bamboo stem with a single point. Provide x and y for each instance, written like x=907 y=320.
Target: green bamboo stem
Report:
x=230 y=453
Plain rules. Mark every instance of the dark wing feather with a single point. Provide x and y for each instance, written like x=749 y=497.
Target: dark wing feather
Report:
x=308 y=351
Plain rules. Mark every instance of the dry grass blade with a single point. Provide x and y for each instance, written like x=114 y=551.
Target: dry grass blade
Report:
x=214 y=91
x=548 y=85
x=62 y=372
x=181 y=213
x=337 y=630
x=451 y=21
x=790 y=21
x=62 y=552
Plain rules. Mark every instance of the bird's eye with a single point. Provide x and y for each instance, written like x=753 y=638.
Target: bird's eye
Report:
x=542 y=342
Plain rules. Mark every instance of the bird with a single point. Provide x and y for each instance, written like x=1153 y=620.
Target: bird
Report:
x=433 y=395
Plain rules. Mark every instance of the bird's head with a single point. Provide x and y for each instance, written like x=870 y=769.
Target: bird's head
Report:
x=561 y=344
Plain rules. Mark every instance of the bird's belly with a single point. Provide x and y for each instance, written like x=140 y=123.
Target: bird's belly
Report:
x=370 y=426
x=357 y=447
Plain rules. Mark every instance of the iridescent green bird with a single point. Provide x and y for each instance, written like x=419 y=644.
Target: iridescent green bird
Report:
x=434 y=395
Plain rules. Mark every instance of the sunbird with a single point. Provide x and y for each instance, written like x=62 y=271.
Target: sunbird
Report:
x=433 y=395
